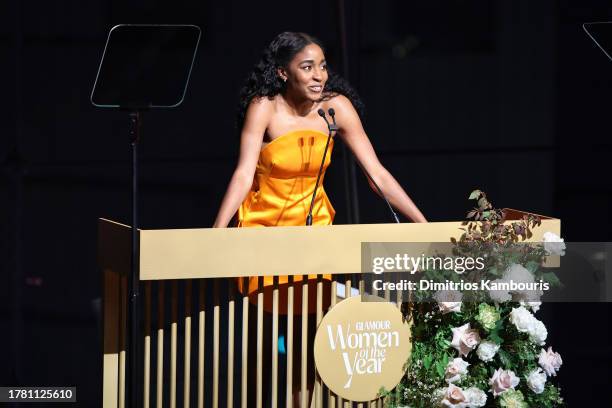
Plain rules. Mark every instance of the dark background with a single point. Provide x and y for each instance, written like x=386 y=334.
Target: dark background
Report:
x=509 y=97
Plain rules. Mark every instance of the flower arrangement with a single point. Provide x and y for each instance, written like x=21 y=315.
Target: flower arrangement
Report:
x=481 y=349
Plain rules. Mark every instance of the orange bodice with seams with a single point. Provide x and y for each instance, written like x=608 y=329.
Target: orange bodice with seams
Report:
x=283 y=186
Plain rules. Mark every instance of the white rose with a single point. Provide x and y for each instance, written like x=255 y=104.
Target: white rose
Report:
x=475 y=397
x=525 y=322
x=536 y=380
x=499 y=296
x=487 y=350
x=465 y=339
x=553 y=244
x=502 y=381
x=448 y=300
x=534 y=306
x=456 y=369
x=528 y=296
x=538 y=332
x=550 y=361
x=517 y=273
x=522 y=319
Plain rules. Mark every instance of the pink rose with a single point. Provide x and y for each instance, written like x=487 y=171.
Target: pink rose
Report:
x=465 y=339
x=550 y=361
x=456 y=369
x=502 y=381
x=453 y=397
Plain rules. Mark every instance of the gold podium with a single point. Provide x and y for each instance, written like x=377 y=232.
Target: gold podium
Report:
x=176 y=265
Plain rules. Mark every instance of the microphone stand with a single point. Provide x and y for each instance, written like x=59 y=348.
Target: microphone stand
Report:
x=133 y=391
x=330 y=129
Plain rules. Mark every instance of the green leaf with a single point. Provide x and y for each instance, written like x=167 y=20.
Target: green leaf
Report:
x=445 y=360
x=551 y=278
x=494 y=335
x=441 y=365
x=444 y=344
x=427 y=360
x=440 y=368
x=532 y=266
x=474 y=195
x=505 y=358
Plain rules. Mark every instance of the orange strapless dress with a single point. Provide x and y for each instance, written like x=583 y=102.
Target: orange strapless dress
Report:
x=283 y=186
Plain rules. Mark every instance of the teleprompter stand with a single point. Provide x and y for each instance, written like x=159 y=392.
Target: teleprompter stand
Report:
x=601 y=34
x=143 y=67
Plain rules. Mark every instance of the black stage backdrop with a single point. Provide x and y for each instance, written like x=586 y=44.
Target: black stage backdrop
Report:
x=509 y=97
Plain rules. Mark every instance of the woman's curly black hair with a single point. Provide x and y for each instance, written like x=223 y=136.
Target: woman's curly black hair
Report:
x=263 y=81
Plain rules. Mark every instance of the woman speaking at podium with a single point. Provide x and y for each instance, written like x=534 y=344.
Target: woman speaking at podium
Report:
x=282 y=141
x=283 y=137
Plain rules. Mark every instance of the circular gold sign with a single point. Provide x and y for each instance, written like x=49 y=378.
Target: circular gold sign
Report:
x=360 y=347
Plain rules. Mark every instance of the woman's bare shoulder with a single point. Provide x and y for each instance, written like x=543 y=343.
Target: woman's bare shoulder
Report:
x=262 y=104
x=345 y=111
x=259 y=111
x=338 y=102
x=335 y=97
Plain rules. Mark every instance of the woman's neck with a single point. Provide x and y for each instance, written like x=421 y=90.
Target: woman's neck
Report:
x=296 y=106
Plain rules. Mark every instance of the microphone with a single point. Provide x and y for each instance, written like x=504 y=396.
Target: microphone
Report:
x=332 y=113
x=330 y=128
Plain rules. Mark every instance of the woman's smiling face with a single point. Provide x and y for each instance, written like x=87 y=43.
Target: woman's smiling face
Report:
x=306 y=74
